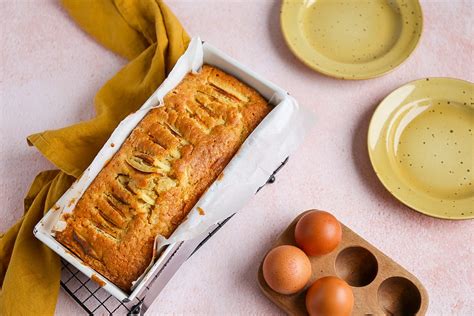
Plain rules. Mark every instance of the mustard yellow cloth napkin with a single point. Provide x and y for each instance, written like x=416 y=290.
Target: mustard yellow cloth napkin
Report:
x=148 y=34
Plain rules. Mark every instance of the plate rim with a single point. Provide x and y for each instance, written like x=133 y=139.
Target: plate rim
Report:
x=336 y=75
x=374 y=168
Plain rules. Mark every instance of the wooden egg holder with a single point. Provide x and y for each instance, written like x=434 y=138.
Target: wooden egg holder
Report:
x=380 y=285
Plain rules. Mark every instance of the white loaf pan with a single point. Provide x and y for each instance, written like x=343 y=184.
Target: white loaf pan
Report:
x=270 y=143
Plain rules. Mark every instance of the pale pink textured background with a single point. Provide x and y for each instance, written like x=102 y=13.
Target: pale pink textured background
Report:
x=50 y=71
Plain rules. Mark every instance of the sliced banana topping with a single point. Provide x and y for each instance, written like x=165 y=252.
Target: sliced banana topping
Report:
x=140 y=164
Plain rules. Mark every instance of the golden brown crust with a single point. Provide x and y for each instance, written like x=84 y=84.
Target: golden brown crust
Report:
x=153 y=181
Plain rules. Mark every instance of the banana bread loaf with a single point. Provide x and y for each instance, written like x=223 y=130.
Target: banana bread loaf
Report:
x=156 y=177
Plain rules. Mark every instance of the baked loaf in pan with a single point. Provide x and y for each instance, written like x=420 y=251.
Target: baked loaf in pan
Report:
x=157 y=176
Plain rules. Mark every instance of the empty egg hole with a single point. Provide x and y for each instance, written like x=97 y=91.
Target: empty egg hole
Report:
x=357 y=266
x=399 y=296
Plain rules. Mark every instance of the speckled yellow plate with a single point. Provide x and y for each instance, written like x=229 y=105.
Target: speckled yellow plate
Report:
x=352 y=39
x=421 y=145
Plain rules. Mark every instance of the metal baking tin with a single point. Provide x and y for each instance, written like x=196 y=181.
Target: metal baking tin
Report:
x=44 y=229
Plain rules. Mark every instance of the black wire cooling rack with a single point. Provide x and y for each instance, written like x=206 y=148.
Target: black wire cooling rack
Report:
x=94 y=300
x=90 y=296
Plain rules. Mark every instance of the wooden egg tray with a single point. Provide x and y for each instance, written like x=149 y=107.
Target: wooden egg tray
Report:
x=380 y=285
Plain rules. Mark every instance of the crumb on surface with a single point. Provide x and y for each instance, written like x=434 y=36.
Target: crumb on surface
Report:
x=97 y=280
x=73 y=200
x=201 y=211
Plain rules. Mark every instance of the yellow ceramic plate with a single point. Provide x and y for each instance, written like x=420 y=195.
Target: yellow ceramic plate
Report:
x=352 y=39
x=421 y=145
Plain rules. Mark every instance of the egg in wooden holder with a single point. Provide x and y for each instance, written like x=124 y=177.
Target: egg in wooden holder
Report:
x=380 y=285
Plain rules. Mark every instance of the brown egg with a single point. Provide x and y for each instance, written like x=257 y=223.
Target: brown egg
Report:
x=329 y=296
x=318 y=233
x=286 y=269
